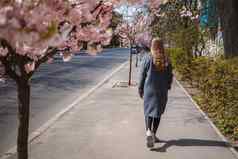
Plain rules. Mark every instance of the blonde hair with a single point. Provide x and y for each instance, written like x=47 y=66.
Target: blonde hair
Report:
x=160 y=60
x=157 y=44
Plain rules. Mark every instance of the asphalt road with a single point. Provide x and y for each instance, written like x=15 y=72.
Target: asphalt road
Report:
x=54 y=87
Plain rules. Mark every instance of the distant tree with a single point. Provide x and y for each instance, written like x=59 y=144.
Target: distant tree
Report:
x=116 y=20
x=177 y=23
x=226 y=10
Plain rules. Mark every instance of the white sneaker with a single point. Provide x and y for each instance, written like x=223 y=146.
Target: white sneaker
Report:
x=149 y=139
x=149 y=133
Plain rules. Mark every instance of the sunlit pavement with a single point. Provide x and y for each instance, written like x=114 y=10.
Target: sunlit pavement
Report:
x=54 y=87
x=109 y=124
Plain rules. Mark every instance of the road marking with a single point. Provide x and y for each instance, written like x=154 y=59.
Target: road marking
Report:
x=208 y=119
x=37 y=133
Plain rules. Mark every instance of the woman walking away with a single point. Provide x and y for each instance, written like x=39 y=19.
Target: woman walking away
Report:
x=155 y=81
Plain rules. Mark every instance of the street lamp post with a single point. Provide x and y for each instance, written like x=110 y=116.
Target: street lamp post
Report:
x=130 y=69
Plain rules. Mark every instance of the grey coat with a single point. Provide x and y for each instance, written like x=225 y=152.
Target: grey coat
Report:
x=154 y=85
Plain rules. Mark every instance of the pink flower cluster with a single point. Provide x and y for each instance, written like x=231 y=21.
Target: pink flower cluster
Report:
x=30 y=27
x=137 y=31
x=3 y=51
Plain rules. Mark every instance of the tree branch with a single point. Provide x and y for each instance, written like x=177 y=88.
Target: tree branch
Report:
x=4 y=43
x=50 y=52
x=85 y=24
x=99 y=4
x=7 y=60
x=8 y=70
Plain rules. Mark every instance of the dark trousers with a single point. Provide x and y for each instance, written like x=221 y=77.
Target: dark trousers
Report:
x=152 y=124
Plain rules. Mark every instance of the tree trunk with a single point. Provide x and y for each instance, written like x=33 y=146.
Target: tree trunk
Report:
x=228 y=12
x=23 y=89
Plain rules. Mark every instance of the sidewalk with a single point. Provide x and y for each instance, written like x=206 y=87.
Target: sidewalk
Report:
x=109 y=124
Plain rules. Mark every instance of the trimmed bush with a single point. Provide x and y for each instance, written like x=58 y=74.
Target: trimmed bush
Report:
x=181 y=61
x=217 y=82
x=222 y=95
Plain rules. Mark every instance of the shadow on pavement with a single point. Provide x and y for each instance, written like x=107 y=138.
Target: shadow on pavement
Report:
x=189 y=142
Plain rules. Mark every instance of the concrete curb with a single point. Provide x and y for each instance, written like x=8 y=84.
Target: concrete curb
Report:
x=37 y=133
x=208 y=119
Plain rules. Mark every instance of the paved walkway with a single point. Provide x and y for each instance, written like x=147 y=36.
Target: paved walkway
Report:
x=109 y=125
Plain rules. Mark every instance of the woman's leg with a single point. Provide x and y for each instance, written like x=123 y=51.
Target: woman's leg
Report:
x=148 y=123
x=149 y=134
x=156 y=122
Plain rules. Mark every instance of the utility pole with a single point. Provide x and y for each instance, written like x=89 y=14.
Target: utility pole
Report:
x=130 y=69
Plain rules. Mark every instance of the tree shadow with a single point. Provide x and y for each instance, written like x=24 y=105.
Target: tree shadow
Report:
x=189 y=142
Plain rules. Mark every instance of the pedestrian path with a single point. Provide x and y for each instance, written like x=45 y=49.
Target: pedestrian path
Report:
x=109 y=124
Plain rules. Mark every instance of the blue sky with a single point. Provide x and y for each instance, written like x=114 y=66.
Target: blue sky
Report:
x=128 y=10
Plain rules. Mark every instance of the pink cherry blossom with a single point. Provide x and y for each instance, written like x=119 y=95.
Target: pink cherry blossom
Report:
x=29 y=67
x=50 y=60
x=3 y=51
x=33 y=31
x=144 y=38
x=32 y=27
x=67 y=56
x=137 y=31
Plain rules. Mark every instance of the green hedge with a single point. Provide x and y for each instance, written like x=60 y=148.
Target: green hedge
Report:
x=217 y=81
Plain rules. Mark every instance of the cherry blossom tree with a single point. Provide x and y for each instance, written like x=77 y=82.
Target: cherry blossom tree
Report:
x=132 y=30
x=33 y=31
